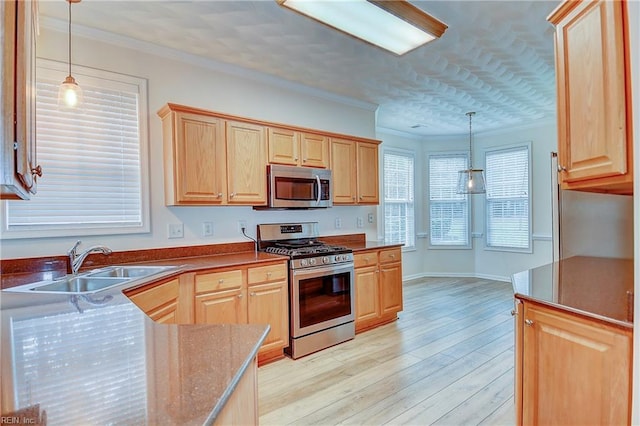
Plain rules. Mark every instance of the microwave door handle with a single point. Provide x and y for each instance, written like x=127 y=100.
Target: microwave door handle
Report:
x=319 y=192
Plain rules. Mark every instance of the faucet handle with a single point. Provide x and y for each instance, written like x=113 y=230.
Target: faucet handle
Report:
x=72 y=251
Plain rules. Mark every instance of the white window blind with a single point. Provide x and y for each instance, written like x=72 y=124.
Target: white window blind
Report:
x=448 y=211
x=84 y=368
x=93 y=175
x=508 y=199
x=398 y=169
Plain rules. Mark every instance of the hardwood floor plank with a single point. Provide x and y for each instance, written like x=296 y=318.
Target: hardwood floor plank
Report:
x=447 y=359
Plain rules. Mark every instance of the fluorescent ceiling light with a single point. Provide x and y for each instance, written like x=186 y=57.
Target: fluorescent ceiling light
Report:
x=394 y=25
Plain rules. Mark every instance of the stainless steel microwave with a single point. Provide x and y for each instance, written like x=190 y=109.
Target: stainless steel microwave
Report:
x=291 y=187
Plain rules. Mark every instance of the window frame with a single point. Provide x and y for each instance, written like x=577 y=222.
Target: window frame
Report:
x=469 y=244
x=506 y=148
x=58 y=230
x=408 y=154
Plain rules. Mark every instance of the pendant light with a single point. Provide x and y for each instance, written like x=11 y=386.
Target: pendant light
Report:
x=70 y=93
x=471 y=181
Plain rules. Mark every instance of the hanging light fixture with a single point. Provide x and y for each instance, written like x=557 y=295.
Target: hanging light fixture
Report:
x=70 y=93
x=471 y=181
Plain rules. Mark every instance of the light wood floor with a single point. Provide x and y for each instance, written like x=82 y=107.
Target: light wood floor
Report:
x=448 y=360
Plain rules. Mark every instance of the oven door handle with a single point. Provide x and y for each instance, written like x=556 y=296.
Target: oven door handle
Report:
x=322 y=270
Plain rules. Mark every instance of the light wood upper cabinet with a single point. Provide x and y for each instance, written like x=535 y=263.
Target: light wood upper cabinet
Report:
x=194 y=158
x=18 y=162
x=295 y=148
x=357 y=185
x=594 y=100
x=246 y=163
x=574 y=370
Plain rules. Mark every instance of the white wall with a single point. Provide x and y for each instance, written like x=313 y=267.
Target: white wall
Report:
x=195 y=82
x=479 y=261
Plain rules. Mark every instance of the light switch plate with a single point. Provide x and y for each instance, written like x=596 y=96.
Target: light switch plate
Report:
x=175 y=230
x=207 y=229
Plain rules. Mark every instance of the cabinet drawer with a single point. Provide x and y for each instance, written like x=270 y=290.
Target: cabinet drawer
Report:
x=365 y=259
x=156 y=296
x=391 y=255
x=218 y=281
x=264 y=274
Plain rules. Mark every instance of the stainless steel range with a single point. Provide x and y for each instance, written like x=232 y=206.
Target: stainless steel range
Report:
x=321 y=286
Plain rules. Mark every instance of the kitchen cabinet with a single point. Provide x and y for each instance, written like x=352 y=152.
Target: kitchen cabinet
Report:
x=570 y=369
x=595 y=146
x=295 y=148
x=18 y=162
x=159 y=302
x=246 y=163
x=359 y=184
x=247 y=295
x=194 y=158
x=378 y=287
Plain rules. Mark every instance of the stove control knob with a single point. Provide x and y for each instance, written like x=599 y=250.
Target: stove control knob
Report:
x=326 y=259
x=303 y=262
x=312 y=261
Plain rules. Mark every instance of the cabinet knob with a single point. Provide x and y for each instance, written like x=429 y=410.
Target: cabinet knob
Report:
x=561 y=168
x=220 y=281
x=361 y=197
x=268 y=274
x=528 y=322
x=513 y=313
x=253 y=293
x=353 y=198
x=219 y=195
x=240 y=296
x=393 y=256
x=233 y=194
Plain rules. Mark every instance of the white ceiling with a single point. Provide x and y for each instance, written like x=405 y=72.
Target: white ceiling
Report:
x=496 y=57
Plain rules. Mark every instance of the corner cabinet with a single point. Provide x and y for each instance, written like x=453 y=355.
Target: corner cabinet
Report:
x=595 y=146
x=378 y=287
x=354 y=185
x=18 y=155
x=570 y=369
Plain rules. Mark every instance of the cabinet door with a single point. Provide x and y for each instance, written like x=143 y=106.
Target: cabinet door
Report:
x=221 y=307
x=315 y=151
x=246 y=163
x=343 y=158
x=367 y=174
x=594 y=140
x=366 y=294
x=283 y=146
x=269 y=304
x=194 y=159
x=575 y=371
x=165 y=315
x=390 y=288
x=159 y=302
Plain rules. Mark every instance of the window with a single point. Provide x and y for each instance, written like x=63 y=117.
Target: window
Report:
x=448 y=211
x=93 y=161
x=398 y=198
x=508 y=199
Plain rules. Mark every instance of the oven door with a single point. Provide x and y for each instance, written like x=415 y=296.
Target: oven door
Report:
x=321 y=298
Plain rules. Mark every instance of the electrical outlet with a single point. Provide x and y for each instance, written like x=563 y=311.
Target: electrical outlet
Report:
x=242 y=224
x=370 y=218
x=338 y=223
x=359 y=222
x=207 y=229
x=175 y=230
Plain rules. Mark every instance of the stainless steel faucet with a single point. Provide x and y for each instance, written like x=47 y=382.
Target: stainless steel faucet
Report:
x=76 y=259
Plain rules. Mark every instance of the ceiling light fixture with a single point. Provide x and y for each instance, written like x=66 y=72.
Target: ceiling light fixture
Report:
x=394 y=25
x=471 y=181
x=70 y=93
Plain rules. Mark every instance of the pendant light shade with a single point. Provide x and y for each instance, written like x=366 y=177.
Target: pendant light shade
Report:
x=471 y=181
x=70 y=94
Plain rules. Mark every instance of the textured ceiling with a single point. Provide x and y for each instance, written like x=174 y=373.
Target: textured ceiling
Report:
x=496 y=57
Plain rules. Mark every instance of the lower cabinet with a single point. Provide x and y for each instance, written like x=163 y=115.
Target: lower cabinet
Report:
x=570 y=369
x=247 y=295
x=378 y=287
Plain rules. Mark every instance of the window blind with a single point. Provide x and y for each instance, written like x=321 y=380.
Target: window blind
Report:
x=91 y=160
x=448 y=211
x=398 y=170
x=508 y=198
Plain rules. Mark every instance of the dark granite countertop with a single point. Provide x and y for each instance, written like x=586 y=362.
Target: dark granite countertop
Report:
x=595 y=287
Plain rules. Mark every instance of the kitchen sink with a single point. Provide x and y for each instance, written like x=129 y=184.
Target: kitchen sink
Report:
x=94 y=281
x=128 y=271
x=80 y=284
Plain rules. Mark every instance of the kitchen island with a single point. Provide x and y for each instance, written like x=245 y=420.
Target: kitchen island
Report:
x=573 y=331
